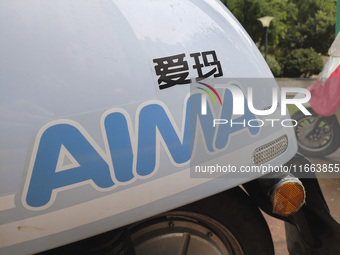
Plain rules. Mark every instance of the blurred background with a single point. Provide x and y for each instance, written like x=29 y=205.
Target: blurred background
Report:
x=298 y=35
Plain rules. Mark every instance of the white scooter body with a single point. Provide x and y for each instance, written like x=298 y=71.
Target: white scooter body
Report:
x=79 y=89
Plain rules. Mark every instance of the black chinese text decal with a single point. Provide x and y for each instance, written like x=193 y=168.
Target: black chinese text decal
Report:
x=174 y=70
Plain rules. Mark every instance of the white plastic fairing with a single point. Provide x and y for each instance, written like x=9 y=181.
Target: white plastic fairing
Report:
x=95 y=109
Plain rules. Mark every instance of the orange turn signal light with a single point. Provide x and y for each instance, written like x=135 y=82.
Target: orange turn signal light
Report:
x=288 y=197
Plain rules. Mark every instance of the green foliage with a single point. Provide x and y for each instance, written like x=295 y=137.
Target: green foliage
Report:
x=274 y=65
x=300 y=29
x=302 y=63
x=297 y=23
x=248 y=11
x=312 y=27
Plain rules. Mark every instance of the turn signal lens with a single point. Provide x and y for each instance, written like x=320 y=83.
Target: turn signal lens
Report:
x=288 y=197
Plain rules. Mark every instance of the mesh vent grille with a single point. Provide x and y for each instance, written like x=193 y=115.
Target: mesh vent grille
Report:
x=270 y=150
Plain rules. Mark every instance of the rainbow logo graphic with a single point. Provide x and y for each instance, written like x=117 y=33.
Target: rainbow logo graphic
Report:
x=209 y=93
x=204 y=99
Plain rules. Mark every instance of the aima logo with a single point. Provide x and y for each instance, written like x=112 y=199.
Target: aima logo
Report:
x=66 y=156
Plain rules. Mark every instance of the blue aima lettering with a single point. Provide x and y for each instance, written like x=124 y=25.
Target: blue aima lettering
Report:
x=67 y=156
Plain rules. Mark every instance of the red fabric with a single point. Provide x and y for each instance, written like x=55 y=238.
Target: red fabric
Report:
x=326 y=98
